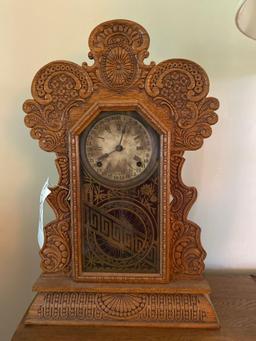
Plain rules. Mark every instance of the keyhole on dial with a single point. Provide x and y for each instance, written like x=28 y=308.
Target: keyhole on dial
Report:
x=99 y=164
x=139 y=163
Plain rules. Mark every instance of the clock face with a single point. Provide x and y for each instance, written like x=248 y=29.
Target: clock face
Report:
x=119 y=149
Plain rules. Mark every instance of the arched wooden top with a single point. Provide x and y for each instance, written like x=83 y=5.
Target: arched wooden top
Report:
x=177 y=87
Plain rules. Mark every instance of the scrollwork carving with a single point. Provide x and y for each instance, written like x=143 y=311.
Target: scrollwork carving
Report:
x=178 y=86
x=56 y=88
x=192 y=137
x=179 y=81
x=183 y=196
x=188 y=254
x=60 y=83
x=58 y=199
x=182 y=87
x=56 y=252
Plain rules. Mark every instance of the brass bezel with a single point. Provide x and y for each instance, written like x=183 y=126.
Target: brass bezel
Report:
x=143 y=176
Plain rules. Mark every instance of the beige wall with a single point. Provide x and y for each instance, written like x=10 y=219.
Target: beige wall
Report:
x=36 y=32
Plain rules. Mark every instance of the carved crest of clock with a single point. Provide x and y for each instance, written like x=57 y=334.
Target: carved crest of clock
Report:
x=121 y=250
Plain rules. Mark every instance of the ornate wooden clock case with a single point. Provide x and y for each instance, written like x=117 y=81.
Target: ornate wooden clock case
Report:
x=121 y=250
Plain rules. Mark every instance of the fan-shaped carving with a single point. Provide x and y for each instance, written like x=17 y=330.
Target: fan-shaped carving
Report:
x=121 y=305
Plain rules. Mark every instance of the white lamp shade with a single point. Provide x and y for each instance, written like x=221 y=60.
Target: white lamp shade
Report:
x=246 y=18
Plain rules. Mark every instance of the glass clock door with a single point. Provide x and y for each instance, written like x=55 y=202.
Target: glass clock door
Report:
x=120 y=191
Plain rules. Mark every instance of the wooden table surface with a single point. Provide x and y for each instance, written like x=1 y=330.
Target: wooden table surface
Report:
x=234 y=298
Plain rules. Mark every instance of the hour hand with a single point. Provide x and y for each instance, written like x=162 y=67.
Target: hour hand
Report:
x=104 y=156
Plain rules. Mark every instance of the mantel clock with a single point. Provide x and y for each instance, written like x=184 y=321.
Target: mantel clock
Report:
x=121 y=250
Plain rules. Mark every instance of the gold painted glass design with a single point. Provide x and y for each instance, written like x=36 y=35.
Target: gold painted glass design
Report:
x=119 y=154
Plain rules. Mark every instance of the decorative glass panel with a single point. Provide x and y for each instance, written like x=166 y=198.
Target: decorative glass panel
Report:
x=119 y=154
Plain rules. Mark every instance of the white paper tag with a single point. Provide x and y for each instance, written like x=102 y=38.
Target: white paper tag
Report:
x=43 y=195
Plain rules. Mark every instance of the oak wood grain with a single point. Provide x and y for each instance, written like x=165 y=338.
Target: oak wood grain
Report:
x=65 y=284
x=234 y=297
x=172 y=98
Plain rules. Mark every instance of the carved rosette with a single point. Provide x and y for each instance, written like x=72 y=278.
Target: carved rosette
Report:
x=118 y=48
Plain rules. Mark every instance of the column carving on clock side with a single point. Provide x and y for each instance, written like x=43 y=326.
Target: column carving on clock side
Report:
x=181 y=87
x=56 y=88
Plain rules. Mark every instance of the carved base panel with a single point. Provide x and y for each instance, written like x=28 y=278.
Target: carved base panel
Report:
x=177 y=310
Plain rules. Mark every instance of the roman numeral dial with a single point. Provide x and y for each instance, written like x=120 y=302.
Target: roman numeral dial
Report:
x=118 y=148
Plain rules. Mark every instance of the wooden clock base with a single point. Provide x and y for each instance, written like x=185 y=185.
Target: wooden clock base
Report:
x=179 y=304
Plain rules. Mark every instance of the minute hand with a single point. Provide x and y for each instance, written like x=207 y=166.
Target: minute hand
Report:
x=123 y=131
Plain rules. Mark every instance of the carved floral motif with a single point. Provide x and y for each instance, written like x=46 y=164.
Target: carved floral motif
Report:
x=182 y=87
x=188 y=254
x=119 y=48
x=56 y=251
x=56 y=88
x=146 y=193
